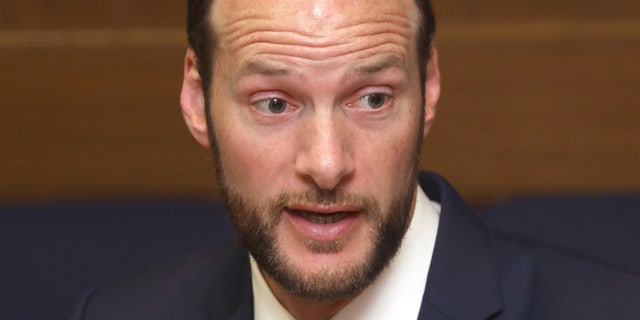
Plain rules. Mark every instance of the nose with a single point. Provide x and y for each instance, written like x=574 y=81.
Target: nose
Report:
x=326 y=156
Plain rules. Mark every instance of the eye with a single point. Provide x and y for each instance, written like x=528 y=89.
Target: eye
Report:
x=372 y=101
x=273 y=105
x=375 y=100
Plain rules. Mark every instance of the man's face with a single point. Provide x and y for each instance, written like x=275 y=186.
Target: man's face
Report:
x=316 y=110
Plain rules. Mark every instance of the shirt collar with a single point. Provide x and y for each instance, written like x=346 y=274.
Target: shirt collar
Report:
x=398 y=290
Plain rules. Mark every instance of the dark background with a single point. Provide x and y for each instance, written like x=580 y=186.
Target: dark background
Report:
x=539 y=97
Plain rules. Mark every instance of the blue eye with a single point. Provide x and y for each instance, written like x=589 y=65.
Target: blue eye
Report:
x=373 y=101
x=272 y=105
x=277 y=105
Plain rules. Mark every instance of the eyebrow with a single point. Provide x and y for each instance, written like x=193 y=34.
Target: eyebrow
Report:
x=376 y=65
x=263 y=68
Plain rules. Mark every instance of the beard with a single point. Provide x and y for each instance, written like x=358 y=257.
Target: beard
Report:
x=256 y=224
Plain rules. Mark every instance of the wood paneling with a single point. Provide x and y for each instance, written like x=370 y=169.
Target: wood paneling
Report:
x=491 y=11
x=97 y=122
x=537 y=118
x=78 y=14
x=538 y=97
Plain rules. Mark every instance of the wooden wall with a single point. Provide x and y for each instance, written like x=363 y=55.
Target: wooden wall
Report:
x=538 y=97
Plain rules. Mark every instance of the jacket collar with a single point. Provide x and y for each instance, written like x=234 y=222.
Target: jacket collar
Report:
x=463 y=280
x=230 y=296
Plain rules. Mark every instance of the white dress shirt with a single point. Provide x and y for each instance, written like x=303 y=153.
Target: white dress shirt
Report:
x=395 y=294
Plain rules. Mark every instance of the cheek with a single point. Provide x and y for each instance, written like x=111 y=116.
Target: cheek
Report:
x=251 y=162
x=394 y=145
x=389 y=160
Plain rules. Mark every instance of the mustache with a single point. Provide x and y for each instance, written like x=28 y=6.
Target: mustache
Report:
x=322 y=197
x=270 y=210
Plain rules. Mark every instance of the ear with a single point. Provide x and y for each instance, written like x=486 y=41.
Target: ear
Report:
x=192 y=100
x=431 y=91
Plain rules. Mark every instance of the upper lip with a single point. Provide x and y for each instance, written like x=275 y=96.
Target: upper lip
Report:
x=325 y=209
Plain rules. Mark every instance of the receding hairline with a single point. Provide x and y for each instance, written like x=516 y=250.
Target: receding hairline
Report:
x=416 y=15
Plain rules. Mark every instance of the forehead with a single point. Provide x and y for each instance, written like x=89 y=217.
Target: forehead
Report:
x=317 y=15
x=318 y=23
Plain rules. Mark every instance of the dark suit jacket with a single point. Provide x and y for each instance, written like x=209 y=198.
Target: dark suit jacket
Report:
x=476 y=273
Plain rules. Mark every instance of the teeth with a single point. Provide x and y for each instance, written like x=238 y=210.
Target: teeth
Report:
x=322 y=218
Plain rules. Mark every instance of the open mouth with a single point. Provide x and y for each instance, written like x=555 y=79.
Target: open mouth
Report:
x=322 y=223
x=322 y=218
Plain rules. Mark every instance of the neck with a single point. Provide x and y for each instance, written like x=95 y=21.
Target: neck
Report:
x=307 y=308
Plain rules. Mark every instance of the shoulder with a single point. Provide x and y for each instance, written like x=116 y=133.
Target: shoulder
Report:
x=171 y=290
x=551 y=280
x=477 y=264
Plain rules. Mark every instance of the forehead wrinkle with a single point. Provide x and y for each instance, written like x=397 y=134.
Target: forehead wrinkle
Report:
x=302 y=53
x=256 y=33
x=400 y=21
x=375 y=37
x=241 y=29
x=284 y=38
x=252 y=28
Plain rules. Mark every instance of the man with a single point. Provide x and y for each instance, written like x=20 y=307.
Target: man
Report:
x=315 y=111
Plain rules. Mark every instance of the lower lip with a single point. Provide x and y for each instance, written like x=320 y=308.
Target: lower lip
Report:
x=322 y=232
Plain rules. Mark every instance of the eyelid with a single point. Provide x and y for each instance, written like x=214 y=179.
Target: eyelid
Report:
x=361 y=94
x=375 y=89
x=264 y=97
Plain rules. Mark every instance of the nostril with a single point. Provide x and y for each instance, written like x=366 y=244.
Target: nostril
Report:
x=326 y=172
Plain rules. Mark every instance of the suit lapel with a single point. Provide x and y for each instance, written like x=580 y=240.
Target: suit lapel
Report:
x=463 y=280
x=429 y=312
x=230 y=296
